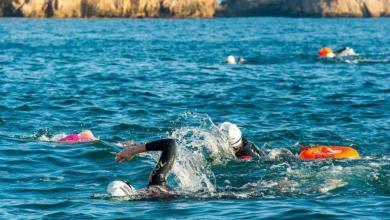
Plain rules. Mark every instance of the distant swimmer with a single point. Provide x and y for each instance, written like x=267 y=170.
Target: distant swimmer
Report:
x=84 y=136
x=158 y=177
x=243 y=149
x=346 y=51
x=233 y=60
x=327 y=52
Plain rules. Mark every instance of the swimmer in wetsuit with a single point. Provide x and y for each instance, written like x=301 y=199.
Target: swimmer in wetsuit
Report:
x=158 y=177
x=243 y=149
x=327 y=52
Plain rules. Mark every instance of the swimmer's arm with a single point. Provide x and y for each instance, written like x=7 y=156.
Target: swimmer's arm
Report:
x=161 y=145
x=165 y=145
x=259 y=152
x=128 y=153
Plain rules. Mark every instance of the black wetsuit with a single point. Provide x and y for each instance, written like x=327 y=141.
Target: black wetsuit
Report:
x=341 y=50
x=160 y=173
x=248 y=151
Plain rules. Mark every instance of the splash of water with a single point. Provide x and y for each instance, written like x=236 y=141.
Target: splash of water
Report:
x=47 y=135
x=200 y=145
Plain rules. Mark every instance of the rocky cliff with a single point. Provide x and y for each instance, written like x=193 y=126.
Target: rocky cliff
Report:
x=108 y=8
x=315 y=8
x=193 y=8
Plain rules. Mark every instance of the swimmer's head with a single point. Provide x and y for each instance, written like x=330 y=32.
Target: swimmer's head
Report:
x=233 y=134
x=119 y=188
x=87 y=134
x=326 y=52
x=231 y=59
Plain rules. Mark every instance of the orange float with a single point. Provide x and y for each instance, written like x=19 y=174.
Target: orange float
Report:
x=328 y=152
x=325 y=51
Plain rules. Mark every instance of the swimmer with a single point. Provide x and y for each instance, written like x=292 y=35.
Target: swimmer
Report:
x=84 y=136
x=327 y=52
x=232 y=60
x=243 y=149
x=346 y=51
x=158 y=177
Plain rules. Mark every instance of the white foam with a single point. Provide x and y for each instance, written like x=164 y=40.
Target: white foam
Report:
x=331 y=184
x=199 y=146
x=55 y=138
x=275 y=154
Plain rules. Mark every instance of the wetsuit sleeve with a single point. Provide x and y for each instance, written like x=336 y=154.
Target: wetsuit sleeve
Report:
x=249 y=151
x=257 y=151
x=168 y=152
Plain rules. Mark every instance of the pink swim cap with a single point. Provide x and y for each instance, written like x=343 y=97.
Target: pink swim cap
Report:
x=75 y=138
x=72 y=138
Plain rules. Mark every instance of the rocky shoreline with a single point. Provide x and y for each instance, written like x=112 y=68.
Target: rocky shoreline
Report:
x=193 y=8
x=305 y=8
x=108 y=8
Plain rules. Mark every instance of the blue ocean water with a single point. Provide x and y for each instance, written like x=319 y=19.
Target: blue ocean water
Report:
x=147 y=79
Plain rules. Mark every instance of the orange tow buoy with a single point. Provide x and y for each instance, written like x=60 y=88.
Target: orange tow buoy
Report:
x=325 y=52
x=328 y=152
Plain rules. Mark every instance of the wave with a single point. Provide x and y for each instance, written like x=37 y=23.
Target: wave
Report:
x=357 y=60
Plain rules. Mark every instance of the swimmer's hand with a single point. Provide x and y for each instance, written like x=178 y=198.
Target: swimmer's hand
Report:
x=125 y=155
x=125 y=144
x=128 y=153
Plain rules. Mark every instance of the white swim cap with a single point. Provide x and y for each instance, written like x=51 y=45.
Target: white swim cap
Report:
x=232 y=132
x=119 y=188
x=231 y=59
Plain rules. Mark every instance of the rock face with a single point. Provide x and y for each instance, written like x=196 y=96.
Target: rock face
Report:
x=108 y=8
x=193 y=8
x=313 y=8
x=5 y=7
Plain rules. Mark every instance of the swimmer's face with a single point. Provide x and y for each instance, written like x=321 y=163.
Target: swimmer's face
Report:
x=237 y=148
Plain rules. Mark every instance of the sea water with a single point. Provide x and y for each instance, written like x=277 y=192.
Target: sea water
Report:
x=148 y=79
